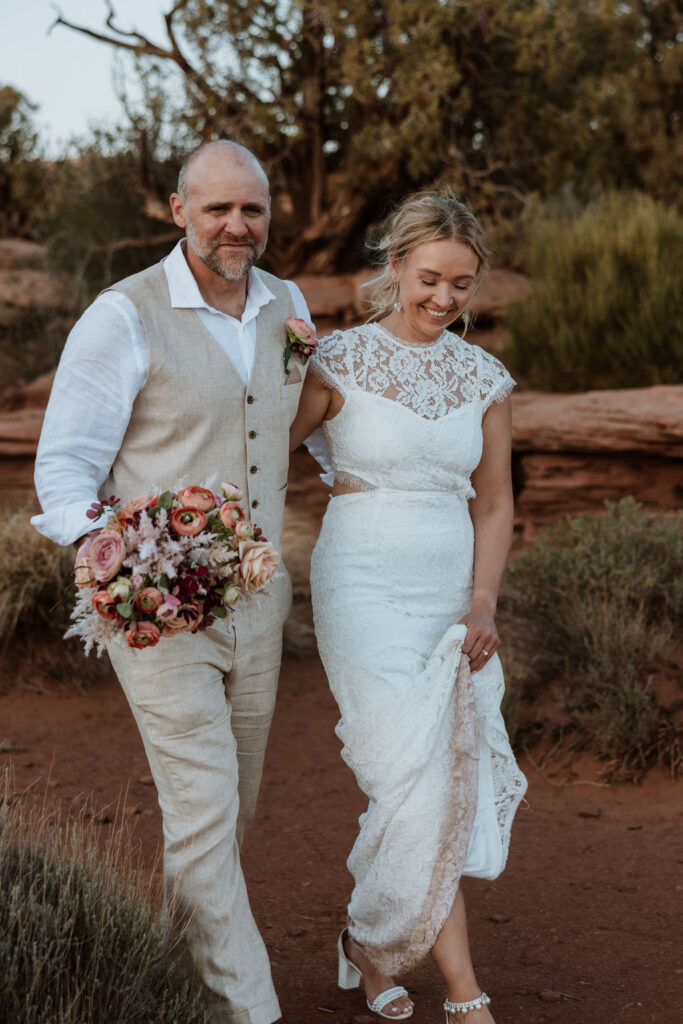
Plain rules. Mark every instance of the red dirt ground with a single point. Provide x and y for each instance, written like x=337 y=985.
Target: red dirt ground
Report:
x=583 y=927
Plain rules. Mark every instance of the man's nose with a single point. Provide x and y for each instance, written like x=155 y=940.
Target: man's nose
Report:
x=235 y=224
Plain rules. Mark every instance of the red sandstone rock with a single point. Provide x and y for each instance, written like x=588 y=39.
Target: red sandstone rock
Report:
x=26 y=288
x=20 y=253
x=498 y=289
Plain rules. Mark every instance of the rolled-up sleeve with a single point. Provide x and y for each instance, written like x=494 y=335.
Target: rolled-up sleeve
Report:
x=103 y=367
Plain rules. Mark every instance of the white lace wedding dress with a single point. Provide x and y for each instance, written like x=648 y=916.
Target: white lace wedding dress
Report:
x=391 y=576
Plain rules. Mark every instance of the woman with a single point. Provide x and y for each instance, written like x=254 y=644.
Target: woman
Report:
x=404 y=579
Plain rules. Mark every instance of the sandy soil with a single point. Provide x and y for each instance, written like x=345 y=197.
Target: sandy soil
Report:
x=582 y=928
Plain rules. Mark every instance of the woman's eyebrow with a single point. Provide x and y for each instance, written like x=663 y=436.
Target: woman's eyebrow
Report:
x=435 y=273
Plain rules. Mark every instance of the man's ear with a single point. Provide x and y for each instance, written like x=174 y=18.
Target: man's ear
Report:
x=178 y=210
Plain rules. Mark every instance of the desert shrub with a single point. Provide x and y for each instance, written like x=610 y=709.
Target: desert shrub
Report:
x=37 y=578
x=605 y=309
x=592 y=609
x=80 y=942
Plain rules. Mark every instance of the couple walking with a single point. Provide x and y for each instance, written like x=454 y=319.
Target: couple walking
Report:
x=177 y=375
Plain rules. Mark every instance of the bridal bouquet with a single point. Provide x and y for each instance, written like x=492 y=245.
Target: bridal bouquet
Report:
x=165 y=564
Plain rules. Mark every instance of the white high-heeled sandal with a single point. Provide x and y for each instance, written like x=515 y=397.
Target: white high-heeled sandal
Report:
x=349 y=976
x=474 y=1004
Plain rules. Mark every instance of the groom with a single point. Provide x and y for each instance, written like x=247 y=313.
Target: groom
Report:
x=176 y=376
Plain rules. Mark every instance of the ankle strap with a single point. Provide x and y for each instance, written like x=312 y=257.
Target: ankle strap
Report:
x=473 y=1004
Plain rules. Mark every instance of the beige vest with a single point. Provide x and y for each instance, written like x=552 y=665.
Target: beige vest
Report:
x=195 y=420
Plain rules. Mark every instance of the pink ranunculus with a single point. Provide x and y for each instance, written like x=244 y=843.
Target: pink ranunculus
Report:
x=244 y=530
x=259 y=560
x=169 y=608
x=106 y=554
x=104 y=604
x=231 y=492
x=197 y=497
x=83 y=573
x=140 y=504
x=187 y=521
x=187 y=618
x=143 y=634
x=301 y=334
x=231 y=513
x=149 y=599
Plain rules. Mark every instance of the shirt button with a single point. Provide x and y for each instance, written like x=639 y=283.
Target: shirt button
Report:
x=254 y=503
x=253 y=469
x=250 y=399
x=252 y=433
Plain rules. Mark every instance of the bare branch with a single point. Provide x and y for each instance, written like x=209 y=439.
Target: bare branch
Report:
x=138 y=243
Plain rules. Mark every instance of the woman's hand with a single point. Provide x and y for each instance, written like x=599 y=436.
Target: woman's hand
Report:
x=482 y=640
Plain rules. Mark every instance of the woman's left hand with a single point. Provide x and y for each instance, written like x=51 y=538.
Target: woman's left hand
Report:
x=482 y=640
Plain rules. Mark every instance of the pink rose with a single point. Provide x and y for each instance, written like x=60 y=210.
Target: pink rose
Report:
x=231 y=492
x=244 y=530
x=186 y=620
x=145 y=501
x=83 y=574
x=197 y=497
x=231 y=513
x=104 y=604
x=143 y=634
x=188 y=521
x=259 y=560
x=106 y=554
x=149 y=599
x=301 y=335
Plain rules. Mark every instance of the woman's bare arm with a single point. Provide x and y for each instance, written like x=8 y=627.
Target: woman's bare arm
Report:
x=492 y=516
x=314 y=406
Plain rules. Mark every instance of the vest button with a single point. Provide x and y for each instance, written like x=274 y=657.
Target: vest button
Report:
x=250 y=399
x=253 y=469
x=252 y=434
x=254 y=503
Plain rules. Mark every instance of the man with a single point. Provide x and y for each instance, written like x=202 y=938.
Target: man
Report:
x=176 y=376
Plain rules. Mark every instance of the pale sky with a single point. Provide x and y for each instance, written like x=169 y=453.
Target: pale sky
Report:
x=68 y=75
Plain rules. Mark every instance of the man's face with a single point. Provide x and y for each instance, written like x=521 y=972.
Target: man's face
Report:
x=226 y=214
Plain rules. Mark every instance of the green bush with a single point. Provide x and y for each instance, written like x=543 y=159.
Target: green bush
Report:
x=605 y=310
x=79 y=940
x=592 y=609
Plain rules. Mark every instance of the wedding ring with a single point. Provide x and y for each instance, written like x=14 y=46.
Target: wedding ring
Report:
x=485 y=653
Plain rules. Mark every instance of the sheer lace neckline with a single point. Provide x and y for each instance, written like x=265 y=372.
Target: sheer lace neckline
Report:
x=416 y=346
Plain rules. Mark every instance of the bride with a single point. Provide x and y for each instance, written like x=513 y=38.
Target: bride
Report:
x=404 y=579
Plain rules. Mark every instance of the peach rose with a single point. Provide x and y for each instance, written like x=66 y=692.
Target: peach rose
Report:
x=143 y=634
x=231 y=513
x=231 y=492
x=186 y=620
x=244 y=530
x=149 y=599
x=259 y=560
x=106 y=554
x=104 y=604
x=197 y=497
x=188 y=521
x=83 y=574
x=145 y=501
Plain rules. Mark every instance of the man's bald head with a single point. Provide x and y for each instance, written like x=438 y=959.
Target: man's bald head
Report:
x=209 y=154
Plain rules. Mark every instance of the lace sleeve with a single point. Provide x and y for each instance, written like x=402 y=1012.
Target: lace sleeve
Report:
x=330 y=361
x=495 y=383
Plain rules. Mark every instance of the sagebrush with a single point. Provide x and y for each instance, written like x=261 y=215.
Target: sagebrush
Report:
x=593 y=612
x=605 y=309
x=80 y=942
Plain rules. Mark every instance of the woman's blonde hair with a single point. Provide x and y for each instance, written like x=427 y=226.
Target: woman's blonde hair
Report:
x=423 y=217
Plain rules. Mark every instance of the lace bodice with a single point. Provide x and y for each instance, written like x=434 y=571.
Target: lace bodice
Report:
x=412 y=414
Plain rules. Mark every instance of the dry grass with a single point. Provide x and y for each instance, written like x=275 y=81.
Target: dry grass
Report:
x=80 y=942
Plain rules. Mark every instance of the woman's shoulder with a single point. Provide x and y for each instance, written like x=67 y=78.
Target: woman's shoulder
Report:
x=494 y=381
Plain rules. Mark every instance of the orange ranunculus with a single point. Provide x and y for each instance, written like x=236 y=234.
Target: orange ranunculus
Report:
x=141 y=504
x=143 y=634
x=197 y=497
x=104 y=604
x=231 y=513
x=187 y=521
x=149 y=599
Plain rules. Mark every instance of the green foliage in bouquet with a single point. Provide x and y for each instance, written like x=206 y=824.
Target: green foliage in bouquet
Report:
x=79 y=940
x=592 y=611
x=605 y=310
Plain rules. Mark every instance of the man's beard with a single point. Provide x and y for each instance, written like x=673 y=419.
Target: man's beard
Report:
x=231 y=266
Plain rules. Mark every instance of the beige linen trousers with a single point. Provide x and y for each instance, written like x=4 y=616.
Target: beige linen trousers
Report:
x=204 y=702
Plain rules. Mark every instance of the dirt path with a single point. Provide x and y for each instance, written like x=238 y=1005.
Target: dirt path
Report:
x=584 y=926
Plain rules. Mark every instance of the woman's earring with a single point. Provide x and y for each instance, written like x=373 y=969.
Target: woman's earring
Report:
x=398 y=307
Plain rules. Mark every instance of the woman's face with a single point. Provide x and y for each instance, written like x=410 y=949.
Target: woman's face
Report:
x=435 y=282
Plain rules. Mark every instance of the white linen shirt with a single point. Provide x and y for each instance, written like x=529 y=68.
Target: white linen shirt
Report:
x=104 y=365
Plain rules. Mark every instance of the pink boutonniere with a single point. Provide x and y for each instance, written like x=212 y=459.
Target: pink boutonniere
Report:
x=300 y=338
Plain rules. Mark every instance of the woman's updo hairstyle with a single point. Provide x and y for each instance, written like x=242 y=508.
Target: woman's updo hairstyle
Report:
x=423 y=217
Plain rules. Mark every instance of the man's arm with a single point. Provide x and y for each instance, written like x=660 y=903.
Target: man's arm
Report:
x=103 y=367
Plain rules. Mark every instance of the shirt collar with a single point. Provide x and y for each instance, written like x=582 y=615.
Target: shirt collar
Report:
x=185 y=293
